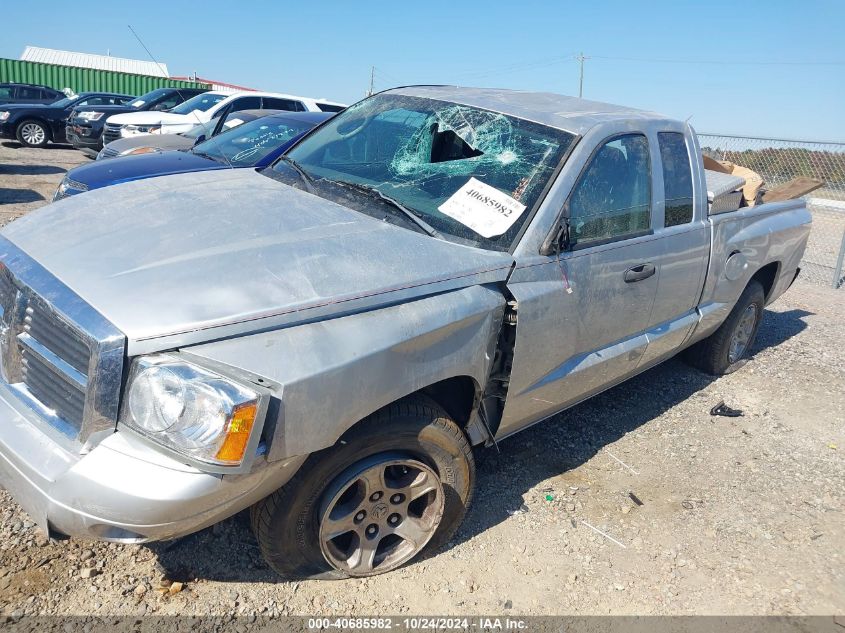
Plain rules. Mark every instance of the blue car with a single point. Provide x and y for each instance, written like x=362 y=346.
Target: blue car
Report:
x=254 y=144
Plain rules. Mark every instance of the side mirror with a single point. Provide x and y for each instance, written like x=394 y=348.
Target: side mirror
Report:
x=199 y=139
x=557 y=240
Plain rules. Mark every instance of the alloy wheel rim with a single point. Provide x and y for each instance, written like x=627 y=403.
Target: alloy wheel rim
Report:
x=379 y=514
x=742 y=333
x=33 y=134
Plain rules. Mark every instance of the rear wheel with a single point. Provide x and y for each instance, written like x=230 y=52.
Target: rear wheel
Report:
x=396 y=486
x=33 y=134
x=727 y=349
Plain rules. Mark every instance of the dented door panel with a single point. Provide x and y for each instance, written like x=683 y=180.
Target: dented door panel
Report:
x=571 y=345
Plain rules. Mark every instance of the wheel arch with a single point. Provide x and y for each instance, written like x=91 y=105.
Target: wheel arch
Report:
x=48 y=130
x=767 y=277
x=457 y=395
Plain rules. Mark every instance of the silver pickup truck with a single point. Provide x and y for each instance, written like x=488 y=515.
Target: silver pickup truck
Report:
x=326 y=341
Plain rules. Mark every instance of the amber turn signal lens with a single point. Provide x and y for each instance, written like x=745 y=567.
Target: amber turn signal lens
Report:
x=141 y=150
x=234 y=446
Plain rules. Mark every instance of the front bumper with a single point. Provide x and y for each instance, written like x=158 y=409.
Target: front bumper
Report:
x=121 y=490
x=84 y=137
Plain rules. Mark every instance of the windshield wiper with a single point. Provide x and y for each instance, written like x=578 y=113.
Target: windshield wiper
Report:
x=375 y=191
x=306 y=179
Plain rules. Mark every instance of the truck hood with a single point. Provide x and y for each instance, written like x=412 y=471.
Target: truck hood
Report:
x=157 y=118
x=190 y=258
x=103 y=173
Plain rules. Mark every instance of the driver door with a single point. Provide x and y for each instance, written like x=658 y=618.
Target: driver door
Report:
x=582 y=316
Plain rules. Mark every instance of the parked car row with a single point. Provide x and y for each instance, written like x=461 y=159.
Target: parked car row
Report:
x=199 y=109
x=91 y=120
x=164 y=132
x=36 y=124
x=254 y=144
x=147 y=143
x=85 y=126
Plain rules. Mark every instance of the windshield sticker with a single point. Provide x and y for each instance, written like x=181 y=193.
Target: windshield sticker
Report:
x=483 y=208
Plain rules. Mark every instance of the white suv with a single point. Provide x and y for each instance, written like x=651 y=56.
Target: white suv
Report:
x=207 y=106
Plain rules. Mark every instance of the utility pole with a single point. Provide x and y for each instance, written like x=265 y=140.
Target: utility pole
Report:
x=372 y=80
x=581 y=59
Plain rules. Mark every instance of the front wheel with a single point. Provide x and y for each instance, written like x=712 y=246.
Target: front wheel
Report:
x=727 y=349
x=397 y=485
x=33 y=134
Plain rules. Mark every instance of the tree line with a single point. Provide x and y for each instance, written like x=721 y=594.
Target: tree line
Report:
x=785 y=164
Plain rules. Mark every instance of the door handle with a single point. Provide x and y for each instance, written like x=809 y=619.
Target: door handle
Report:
x=638 y=273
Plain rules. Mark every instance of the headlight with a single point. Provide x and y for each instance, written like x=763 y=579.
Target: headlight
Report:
x=69 y=187
x=138 y=150
x=89 y=115
x=4 y=115
x=134 y=130
x=192 y=410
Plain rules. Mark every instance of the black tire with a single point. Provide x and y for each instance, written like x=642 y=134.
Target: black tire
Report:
x=712 y=355
x=286 y=524
x=26 y=140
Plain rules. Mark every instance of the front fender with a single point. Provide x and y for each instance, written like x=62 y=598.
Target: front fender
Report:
x=333 y=373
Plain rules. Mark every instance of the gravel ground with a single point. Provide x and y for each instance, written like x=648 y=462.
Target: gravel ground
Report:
x=636 y=502
x=29 y=177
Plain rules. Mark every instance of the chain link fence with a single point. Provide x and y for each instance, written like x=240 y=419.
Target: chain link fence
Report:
x=781 y=160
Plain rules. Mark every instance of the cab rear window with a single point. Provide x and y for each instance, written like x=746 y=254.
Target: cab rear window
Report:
x=677 y=178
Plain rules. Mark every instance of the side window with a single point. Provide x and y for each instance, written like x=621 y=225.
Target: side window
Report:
x=328 y=107
x=5 y=92
x=95 y=101
x=612 y=199
x=272 y=103
x=171 y=101
x=30 y=93
x=246 y=103
x=677 y=177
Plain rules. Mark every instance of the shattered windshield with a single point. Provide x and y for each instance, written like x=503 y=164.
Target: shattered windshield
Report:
x=471 y=174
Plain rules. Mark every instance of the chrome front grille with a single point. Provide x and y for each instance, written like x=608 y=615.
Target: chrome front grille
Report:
x=58 y=390
x=44 y=325
x=60 y=357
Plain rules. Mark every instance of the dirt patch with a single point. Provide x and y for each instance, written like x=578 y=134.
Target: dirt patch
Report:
x=29 y=177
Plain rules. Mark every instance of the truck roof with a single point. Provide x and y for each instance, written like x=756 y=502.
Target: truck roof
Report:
x=559 y=111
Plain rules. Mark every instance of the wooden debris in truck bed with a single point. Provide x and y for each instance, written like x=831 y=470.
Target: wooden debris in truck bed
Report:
x=795 y=188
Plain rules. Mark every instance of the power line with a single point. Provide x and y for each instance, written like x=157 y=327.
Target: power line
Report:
x=733 y=62
x=388 y=78
x=524 y=65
